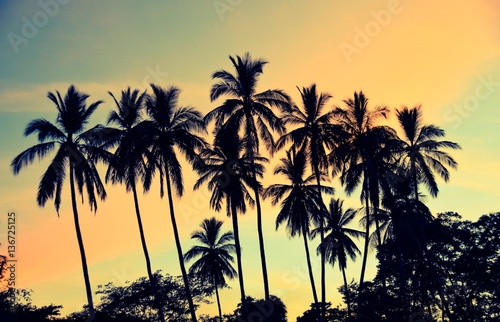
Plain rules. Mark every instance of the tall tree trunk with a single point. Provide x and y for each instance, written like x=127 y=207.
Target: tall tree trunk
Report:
x=218 y=299
x=179 y=251
x=365 y=253
x=367 y=239
x=251 y=133
x=260 y=232
x=322 y=239
x=86 y=277
x=309 y=267
x=261 y=245
x=423 y=283
x=415 y=180
x=348 y=300
x=234 y=215
x=376 y=205
x=152 y=279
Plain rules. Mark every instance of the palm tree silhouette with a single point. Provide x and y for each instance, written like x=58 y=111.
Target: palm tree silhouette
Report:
x=354 y=157
x=77 y=151
x=228 y=171
x=129 y=163
x=253 y=114
x=338 y=243
x=420 y=151
x=407 y=224
x=384 y=176
x=420 y=157
x=169 y=127
x=301 y=201
x=315 y=134
x=214 y=256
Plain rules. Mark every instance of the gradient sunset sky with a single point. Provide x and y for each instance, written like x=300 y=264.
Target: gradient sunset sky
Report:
x=444 y=55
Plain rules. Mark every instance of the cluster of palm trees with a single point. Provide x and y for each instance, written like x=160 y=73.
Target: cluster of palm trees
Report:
x=144 y=134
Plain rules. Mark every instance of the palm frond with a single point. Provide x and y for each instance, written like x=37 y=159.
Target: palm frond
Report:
x=28 y=156
x=45 y=130
x=51 y=182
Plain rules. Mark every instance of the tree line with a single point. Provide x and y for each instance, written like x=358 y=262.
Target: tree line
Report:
x=147 y=132
x=462 y=276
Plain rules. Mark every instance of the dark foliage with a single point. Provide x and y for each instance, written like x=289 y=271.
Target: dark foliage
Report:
x=16 y=305
x=457 y=278
x=261 y=310
x=136 y=299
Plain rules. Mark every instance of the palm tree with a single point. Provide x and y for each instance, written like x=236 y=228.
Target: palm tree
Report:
x=421 y=153
x=129 y=163
x=380 y=218
x=77 y=152
x=315 y=134
x=407 y=225
x=420 y=157
x=384 y=179
x=228 y=172
x=338 y=243
x=301 y=201
x=214 y=255
x=171 y=126
x=354 y=155
x=252 y=112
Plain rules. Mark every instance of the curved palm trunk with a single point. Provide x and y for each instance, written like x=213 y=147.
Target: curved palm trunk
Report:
x=179 y=251
x=80 y=246
x=348 y=300
x=250 y=147
x=234 y=216
x=152 y=279
x=322 y=237
x=259 y=230
x=414 y=177
x=309 y=267
x=423 y=284
x=365 y=254
x=375 y=200
x=422 y=248
x=218 y=300
x=367 y=239
x=376 y=205
x=261 y=245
